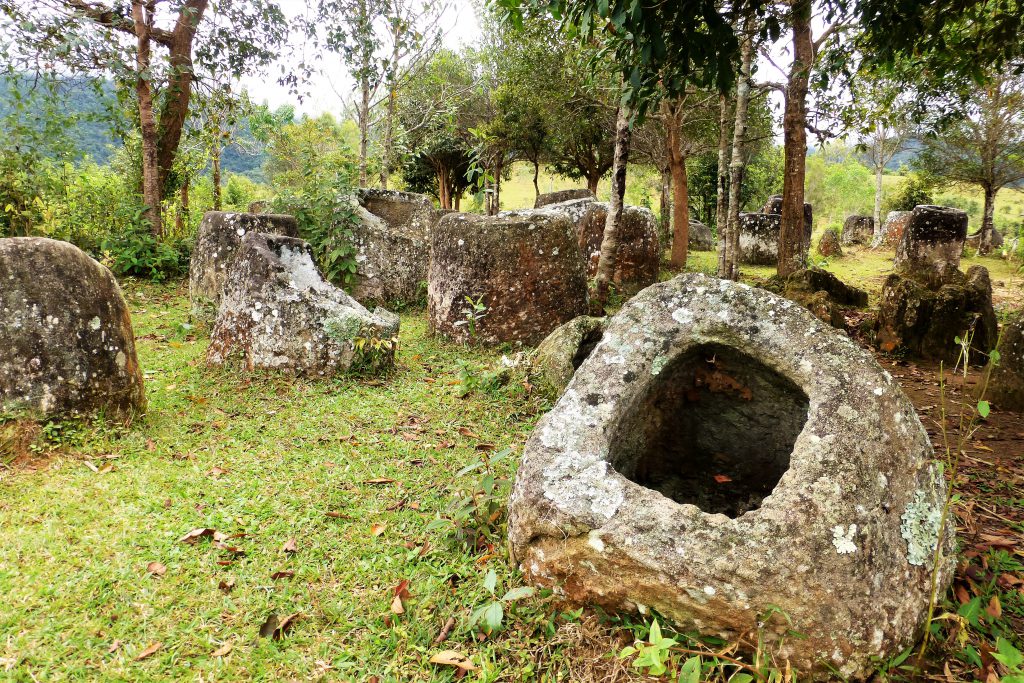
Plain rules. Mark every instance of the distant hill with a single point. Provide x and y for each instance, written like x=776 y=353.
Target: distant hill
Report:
x=95 y=135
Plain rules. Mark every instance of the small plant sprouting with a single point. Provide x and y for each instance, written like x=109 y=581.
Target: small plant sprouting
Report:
x=474 y=312
x=490 y=615
x=477 y=511
x=374 y=354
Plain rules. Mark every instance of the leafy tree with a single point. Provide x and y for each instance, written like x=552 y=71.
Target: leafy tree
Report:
x=159 y=51
x=915 y=189
x=985 y=147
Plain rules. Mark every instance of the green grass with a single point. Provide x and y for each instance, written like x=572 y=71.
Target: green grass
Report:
x=75 y=543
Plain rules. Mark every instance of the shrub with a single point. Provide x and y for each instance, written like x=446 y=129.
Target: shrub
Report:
x=914 y=190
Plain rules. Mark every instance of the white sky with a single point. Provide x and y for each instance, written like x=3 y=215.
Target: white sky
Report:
x=461 y=27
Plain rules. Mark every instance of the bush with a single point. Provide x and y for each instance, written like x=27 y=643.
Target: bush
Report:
x=914 y=190
x=137 y=253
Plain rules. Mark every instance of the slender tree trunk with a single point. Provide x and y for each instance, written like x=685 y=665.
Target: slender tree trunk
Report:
x=592 y=182
x=215 y=159
x=443 y=198
x=536 y=178
x=143 y=17
x=610 y=242
x=793 y=244
x=458 y=199
x=722 y=185
x=738 y=163
x=987 y=224
x=364 y=128
x=879 y=170
x=497 y=189
x=665 y=203
x=680 y=189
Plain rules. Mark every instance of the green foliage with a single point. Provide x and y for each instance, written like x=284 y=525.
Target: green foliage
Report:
x=490 y=615
x=915 y=189
x=136 y=252
x=374 y=355
x=476 y=514
x=838 y=185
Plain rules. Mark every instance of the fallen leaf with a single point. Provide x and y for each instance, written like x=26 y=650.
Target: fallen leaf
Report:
x=722 y=479
x=148 y=651
x=216 y=472
x=994 y=609
x=196 y=534
x=962 y=595
x=290 y=546
x=91 y=466
x=453 y=658
x=380 y=480
x=401 y=591
x=396 y=605
x=283 y=574
x=445 y=630
x=468 y=433
x=222 y=650
x=226 y=585
x=114 y=647
x=333 y=514
x=275 y=627
x=156 y=569
x=485 y=447
x=378 y=529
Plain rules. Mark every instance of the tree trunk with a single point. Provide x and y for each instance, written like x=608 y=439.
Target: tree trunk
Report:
x=363 y=114
x=181 y=215
x=610 y=241
x=680 y=189
x=722 y=184
x=174 y=111
x=215 y=160
x=987 y=224
x=793 y=245
x=592 y=182
x=143 y=17
x=536 y=178
x=737 y=165
x=665 y=203
x=443 y=198
x=497 y=189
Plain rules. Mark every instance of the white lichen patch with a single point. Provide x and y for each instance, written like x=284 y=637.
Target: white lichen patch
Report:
x=594 y=541
x=920 y=526
x=842 y=539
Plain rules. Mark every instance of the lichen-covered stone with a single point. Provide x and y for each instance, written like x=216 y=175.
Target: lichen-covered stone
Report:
x=858 y=230
x=700 y=237
x=220 y=233
x=923 y=316
x=759 y=238
x=526 y=270
x=1006 y=383
x=392 y=244
x=932 y=242
x=891 y=231
x=638 y=258
x=278 y=313
x=829 y=245
x=561 y=196
x=66 y=340
x=822 y=293
x=774 y=206
x=563 y=351
x=723 y=455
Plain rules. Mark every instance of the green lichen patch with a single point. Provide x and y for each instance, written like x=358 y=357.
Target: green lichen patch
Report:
x=921 y=522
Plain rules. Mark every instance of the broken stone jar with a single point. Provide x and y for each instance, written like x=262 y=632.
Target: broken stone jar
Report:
x=729 y=461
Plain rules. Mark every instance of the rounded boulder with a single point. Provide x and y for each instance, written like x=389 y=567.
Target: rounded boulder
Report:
x=66 y=342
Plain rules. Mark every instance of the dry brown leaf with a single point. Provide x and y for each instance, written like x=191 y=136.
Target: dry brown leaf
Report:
x=148 y=651
x=468 y=433
x=994 y=609
x=378 y=529
x=275 y=627
x=91 y=466
x=226 y=585
x=453 y=658
x=156 y=569
x=114 y=647
x=396 y=605
x=222 y=650
x=445 y=630
x=196 y=534
x=379 y=480
x=283 y=574
x=290 y=546
x=216 y=472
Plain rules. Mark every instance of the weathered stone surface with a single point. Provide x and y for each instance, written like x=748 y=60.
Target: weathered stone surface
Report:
x=392 y=243
x=1006 y=383
x=700 y=237
x=563 y=351
x=525 y=269
x=639 y=256
x=932 y=241
x=829 y=244
x=721 y=453
x=759 y=238
x=923 y=316
x=774 y=206
x=66 y=340
x=974 y=240
x=858 y=230
x=823 y=294
x=278 y=313
x=562 y=196
x=218 y=239
x=891 y=232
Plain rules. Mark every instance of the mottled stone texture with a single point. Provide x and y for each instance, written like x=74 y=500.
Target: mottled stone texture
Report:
x=278 y=313
x=774 y=206
x=723 y=452
x=218 y=239
x=924 y=316
x=392 y=243
x=66 y=340
x=562 y=196
x=858 y=230
x=974 y=240
x=891 y=232
x=526 y=269
x=700 y=237
x=829 y=244
x=563 y=351
x=823 y=294
x=759 y=238
x=1006 y=383
x=932 y=241
x=639 y=255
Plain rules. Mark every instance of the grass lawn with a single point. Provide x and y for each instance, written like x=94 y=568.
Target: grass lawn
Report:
x=324 y=492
